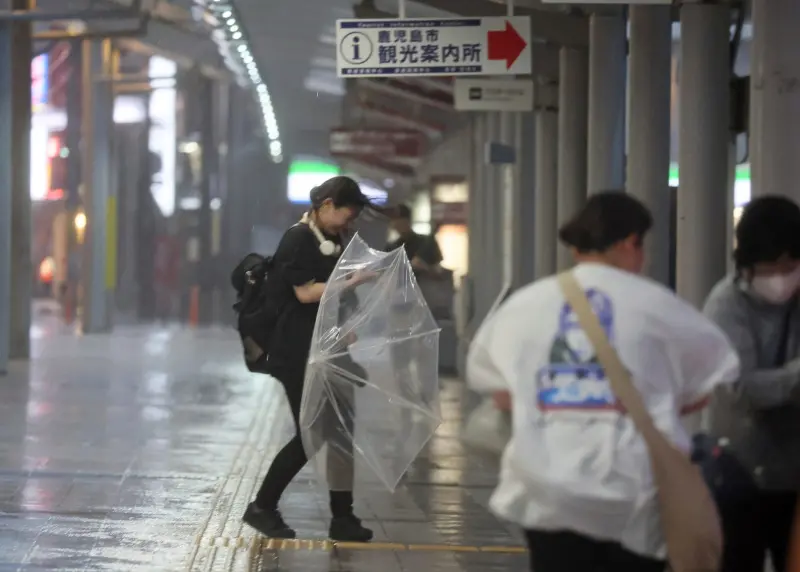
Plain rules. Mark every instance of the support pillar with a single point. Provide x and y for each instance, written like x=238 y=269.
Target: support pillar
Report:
x=16 y=272
x=145 y=224
x=112 y=205
x=606 y=128
x=525 y=235
x=703 y=214
x=510 y=198
x=546 y=184
x=475 y=227
x=98 y=109
x=493 y=264
x=209 y=162
x=775 y=98
x=22 y=271
x=649 y=126
x=72 y=199
x=473 y=286
x=572 y=134
x=7 y=59
x=476 y=192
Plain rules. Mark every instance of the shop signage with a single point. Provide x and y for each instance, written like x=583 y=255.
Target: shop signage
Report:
x=404 y=146
x=40 y=79
x=59 y=73
x=448 y=213
x=493 y=95
x=631 y=2
x=383 y=142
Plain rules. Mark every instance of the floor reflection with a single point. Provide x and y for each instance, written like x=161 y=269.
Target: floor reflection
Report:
x=139 y=451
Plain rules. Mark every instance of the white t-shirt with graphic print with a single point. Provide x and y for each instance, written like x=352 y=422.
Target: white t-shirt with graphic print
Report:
x=574 y=461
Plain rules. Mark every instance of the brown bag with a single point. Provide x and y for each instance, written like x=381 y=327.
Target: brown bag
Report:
x=689 y=517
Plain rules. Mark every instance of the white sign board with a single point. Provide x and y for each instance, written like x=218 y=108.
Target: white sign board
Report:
x=442 y=47
x=631 y=2
x=493 y=95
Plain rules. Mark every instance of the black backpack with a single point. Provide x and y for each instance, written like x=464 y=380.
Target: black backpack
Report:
x=256 y=308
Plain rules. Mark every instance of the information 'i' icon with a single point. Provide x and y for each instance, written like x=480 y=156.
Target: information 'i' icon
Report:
x=356 y=48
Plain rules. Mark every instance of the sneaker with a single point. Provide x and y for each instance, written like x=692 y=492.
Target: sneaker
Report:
x=270 y=523
x=349 y=529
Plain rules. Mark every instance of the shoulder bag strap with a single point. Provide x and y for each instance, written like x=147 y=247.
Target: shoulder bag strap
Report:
x=618 y=376
x=786 y=330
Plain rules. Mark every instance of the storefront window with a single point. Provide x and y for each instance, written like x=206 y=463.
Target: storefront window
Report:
x=448 y=208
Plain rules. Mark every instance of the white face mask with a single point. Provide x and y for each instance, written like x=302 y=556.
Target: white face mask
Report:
x=776 y=288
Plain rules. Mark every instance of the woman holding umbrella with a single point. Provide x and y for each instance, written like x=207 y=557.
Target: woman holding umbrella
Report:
x=303 y=263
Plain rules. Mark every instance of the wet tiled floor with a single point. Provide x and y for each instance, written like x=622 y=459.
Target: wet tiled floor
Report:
x=139 y=451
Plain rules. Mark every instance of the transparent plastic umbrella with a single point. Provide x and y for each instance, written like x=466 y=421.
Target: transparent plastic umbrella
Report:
x=371 y=395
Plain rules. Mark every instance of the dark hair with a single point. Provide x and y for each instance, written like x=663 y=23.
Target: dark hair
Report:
x=401 y=212
x=768 y=228
x=606 y=218
x=342 y=192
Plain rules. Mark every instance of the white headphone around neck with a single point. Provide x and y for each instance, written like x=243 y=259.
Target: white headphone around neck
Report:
x=326 y=247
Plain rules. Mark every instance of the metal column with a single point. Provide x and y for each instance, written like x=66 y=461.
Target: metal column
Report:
x=475 y=227
x=649 y=126
x=572 y=133
x=546 y=185
x=6 y=186
x=525 y=235
x=112 y=205
x=209 y=161
x=72 y=200
x=492 y=264
x=506 y=196
x=775 y=98
x=703 y=217
x=473 y=286
x=16 y=273
x=606 y=140
x=511 y=217
x=21 y=264
x=98 y=110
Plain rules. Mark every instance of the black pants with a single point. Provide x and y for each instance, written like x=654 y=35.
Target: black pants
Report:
x=570 y=552
x=755 y=524
x=333 y=425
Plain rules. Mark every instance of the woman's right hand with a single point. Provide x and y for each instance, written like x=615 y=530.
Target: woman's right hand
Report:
x=360 y=277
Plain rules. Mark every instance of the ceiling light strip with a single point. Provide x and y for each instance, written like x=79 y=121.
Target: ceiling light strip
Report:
x=234 y=45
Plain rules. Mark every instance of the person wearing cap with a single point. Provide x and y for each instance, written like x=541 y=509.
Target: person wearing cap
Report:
x=756 y=422
x=423 y=251
x=303 y=263
x=426 y=257
x=576 y=474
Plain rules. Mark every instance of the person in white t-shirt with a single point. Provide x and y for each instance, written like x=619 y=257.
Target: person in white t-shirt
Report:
x=576 y=474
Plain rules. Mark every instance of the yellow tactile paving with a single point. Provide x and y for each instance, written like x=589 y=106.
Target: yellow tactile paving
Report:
x=313 y=545
x=441 y=548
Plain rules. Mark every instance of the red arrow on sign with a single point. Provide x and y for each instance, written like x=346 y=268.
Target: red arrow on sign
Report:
x=506 y=45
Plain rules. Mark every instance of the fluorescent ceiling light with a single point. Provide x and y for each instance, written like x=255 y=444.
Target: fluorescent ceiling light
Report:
x=234 y=47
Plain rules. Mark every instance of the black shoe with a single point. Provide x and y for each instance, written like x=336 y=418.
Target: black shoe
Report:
x=270 y=523
x=349 y=529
